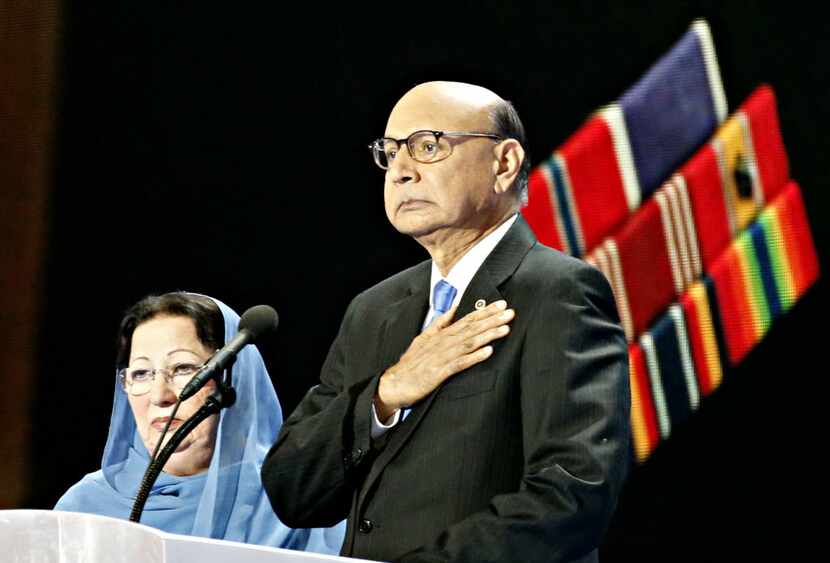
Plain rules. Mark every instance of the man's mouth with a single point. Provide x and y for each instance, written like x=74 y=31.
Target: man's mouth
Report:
x=412 y=204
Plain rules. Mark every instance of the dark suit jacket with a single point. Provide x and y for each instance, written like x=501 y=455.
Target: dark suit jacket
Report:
x=519 y=458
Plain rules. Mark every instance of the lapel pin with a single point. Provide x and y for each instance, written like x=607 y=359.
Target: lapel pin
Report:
x=480 y=304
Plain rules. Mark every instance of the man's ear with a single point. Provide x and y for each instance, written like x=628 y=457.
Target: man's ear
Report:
x=509 y=157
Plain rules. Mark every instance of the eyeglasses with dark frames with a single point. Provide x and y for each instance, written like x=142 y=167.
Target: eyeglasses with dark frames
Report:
x=424 y=146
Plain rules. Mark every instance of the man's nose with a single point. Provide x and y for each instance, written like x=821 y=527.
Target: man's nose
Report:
x=161 y=392
x=403 y=169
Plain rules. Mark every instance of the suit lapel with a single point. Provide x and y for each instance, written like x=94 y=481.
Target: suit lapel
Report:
x=498 y=267
x=406 y=318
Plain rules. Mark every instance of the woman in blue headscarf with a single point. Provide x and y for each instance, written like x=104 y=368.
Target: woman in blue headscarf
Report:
x=211 y=485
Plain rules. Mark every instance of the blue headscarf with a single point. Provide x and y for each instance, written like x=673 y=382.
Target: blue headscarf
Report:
x=226 y=502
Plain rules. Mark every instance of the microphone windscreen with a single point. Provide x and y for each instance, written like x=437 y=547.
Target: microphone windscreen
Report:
x=258 y=320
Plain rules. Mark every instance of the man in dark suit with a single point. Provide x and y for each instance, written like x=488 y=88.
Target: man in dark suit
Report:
x=483 y=433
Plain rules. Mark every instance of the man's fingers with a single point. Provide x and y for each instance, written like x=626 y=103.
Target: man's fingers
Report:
x=490 y=316
x=492 y=309
x=476 y=341
x=441 y=321
x=466 y=327
x=468 y=360
x=492 y=334
x=455 y=346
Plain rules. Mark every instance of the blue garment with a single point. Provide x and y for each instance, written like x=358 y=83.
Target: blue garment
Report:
x=442 y=297
x=226 y=502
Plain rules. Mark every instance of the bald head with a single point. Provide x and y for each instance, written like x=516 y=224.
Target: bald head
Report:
x=441 y=105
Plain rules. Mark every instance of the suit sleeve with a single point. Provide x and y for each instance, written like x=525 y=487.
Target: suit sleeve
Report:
x=310 y=472
x=575 y=430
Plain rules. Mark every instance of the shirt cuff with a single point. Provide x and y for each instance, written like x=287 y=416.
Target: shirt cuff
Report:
x=378 y=427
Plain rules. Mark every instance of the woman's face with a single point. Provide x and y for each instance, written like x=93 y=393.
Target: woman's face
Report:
x=163 y=342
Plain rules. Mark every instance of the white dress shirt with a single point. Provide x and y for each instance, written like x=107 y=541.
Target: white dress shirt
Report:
x=459 y=277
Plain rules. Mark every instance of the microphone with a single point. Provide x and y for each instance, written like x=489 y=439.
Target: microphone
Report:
x=255 y=322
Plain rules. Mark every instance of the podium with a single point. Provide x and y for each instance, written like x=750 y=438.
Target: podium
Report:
x=45 y=536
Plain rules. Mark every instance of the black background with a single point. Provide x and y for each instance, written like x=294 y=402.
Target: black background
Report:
x=219 y=148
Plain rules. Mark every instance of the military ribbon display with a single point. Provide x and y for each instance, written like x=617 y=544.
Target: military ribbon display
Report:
x=693 y=219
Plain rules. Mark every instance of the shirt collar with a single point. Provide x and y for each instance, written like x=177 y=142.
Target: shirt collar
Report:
x=465 y=269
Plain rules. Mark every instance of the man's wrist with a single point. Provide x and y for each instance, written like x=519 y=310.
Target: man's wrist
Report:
x=387 y=422
x=385 y=409
x=380 y=427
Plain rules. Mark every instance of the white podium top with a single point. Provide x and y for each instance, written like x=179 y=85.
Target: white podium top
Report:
x=46 y=536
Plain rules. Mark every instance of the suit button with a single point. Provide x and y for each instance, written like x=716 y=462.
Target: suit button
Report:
x=357 y=456
x=365 y=526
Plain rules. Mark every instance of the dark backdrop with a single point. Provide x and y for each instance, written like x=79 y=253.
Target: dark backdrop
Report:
x=221 y=149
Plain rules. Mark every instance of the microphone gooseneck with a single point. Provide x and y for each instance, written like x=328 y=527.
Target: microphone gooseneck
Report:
x=254 y=322
x=214 y=403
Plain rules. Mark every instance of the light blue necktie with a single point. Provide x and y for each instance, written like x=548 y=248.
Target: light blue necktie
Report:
x=442 y=297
